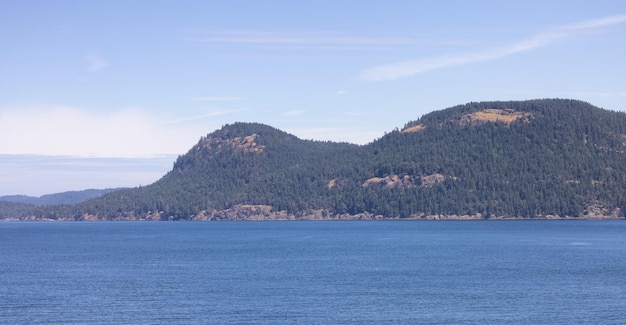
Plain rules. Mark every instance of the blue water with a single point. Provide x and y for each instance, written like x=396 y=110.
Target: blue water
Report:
x=529 y=272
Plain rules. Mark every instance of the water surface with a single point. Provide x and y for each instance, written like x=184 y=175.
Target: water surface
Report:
x=557 y=272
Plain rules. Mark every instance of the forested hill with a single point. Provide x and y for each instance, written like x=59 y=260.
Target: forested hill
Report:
x=527 y=159
x=70 y=197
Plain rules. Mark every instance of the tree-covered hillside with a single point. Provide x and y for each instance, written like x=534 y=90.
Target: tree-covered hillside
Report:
x=528 y=159
x=532 y=158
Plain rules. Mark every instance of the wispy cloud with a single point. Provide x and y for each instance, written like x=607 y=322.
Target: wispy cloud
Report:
x=595 y=23
x=216 y=98
x=203 y=116
x=317 y=39
x=293 y=113
x=95 y=62
x=412 y=67
x=341 y=92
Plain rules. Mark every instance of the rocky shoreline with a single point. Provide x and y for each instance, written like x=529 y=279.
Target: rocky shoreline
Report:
x=266 y=213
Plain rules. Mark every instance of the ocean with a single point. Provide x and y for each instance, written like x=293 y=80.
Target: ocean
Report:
x=313 y=272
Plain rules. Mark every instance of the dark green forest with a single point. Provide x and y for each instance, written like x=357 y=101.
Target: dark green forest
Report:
x=518 y=159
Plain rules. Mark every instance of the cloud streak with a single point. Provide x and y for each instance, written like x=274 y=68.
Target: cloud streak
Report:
x=325 y=40
x=203 y=116
x=409 y=68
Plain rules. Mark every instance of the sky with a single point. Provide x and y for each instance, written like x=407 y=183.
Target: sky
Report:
x=101 y=94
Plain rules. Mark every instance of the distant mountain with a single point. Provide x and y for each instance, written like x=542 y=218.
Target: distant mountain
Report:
x=551 y=158
x=70 y=197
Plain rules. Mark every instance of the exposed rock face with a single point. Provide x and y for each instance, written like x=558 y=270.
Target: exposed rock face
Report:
x=337 y=182
x=393 y=181
x=332 y=183
x=506 y=116
x=223 y=140
x=599 y=211
x=414 y=128
x=430 y=180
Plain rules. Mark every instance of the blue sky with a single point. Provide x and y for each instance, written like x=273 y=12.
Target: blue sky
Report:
x=115 y=90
